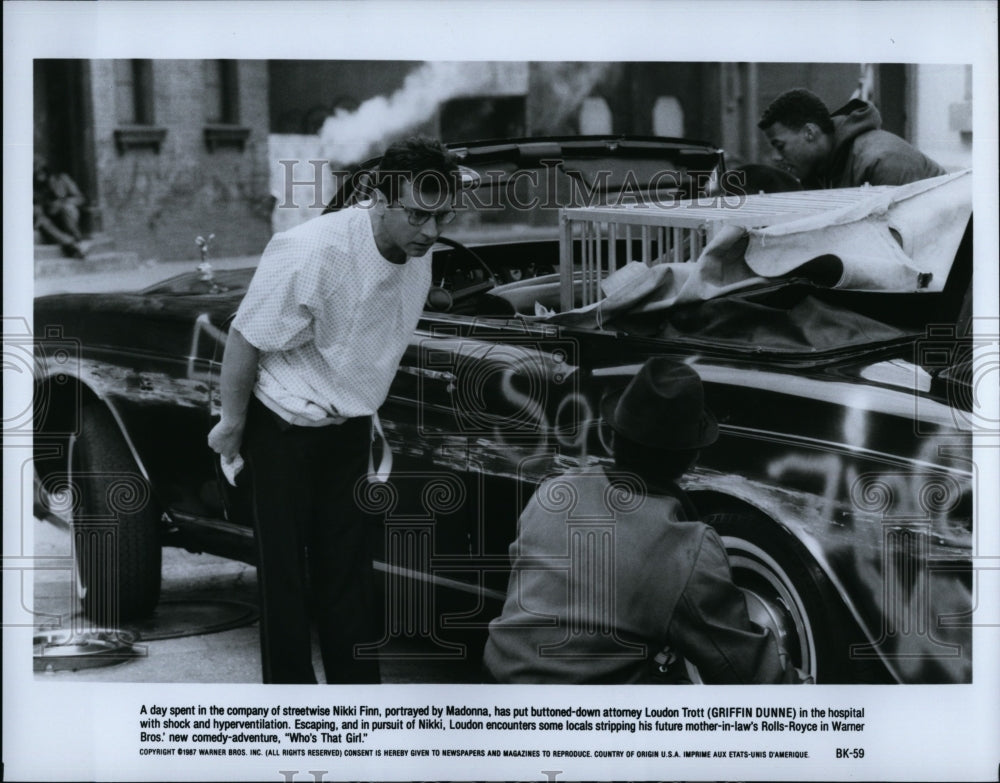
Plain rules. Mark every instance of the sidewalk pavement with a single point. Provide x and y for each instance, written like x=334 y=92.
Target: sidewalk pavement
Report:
x=196 y=634
x=89 y=280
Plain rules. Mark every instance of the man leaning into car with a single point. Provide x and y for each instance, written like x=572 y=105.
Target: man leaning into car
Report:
x=845 y=149
x=612 y=574
x=308 y=361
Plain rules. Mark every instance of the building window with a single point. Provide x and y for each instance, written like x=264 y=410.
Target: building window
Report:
x=960 y=114
x=595 y=117
x=221 y=89
x=134 y=91
x=668 y=117
x=222 y=100
x=134 y=105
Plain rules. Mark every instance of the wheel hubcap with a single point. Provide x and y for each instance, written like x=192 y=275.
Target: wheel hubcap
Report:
x=773 y=601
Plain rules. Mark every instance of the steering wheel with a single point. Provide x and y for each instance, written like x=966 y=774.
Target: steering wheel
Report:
x=444 y=297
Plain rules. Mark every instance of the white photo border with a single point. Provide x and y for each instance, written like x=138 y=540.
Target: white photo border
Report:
x=84 y=732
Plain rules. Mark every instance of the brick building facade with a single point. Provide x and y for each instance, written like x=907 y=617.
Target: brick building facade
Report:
x=163 y=149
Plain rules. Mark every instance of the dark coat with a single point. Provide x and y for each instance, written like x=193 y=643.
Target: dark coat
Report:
x=603 y=581
x=864 y=153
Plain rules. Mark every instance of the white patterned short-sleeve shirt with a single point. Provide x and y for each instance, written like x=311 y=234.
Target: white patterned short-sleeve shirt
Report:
x=331 y=317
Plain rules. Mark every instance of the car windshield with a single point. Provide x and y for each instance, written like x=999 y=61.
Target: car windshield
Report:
x=524 y=202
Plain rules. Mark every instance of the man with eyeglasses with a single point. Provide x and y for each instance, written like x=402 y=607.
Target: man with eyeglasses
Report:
x=309 y=360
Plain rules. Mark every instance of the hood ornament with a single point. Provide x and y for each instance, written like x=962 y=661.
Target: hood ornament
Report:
x=205 y=267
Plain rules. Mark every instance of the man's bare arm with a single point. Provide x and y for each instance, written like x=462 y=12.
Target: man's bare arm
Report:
x=236 y=381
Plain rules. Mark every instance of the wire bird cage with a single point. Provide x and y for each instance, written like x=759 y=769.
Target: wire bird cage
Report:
x=595 y=241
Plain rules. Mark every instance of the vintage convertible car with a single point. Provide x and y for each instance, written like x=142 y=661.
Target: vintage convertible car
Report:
x=841 y=482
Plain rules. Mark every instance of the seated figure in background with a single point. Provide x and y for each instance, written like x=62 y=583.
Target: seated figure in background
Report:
x=57 y=200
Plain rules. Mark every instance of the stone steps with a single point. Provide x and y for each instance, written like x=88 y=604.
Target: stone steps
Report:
x=95 y=262
x=101 y=257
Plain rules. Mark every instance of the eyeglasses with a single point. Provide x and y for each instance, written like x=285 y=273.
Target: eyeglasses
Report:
x=417 y=217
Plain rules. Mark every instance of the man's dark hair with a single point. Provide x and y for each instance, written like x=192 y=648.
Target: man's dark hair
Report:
x=425 y=163
x=794 y=108
x=652 y=463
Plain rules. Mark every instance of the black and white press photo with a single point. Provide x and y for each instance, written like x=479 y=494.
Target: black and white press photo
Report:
x=378 y=410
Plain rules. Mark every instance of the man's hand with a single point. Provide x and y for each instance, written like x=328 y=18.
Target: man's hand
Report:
x=225 y=438
x=239 y=370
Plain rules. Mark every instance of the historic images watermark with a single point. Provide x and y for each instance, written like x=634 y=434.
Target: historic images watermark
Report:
x=547 y=186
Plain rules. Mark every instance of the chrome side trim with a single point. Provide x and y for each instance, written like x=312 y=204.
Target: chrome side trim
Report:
x=180 y=517
x=442 y=581
x=894 y=402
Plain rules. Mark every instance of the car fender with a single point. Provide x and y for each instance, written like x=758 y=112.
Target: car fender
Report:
x=849 y=547
x=88 y=380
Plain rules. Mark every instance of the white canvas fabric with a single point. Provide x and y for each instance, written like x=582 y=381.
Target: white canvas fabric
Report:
x=859 y=243
x=928 y=217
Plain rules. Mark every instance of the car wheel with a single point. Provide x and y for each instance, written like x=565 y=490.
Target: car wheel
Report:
x=786 y=592
x=115 y=528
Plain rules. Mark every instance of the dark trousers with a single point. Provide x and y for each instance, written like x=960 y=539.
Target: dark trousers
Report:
x=315 y=557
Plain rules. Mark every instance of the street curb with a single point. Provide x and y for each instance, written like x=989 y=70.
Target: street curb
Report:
x=100 y=262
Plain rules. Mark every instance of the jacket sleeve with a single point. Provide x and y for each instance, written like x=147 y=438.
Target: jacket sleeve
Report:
x=711 y=628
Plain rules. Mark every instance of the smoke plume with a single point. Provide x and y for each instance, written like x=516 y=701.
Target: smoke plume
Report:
x=555 y=92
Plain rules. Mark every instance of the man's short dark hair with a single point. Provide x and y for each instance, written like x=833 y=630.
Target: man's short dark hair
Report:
x=652 y=463
x=425 y=163
x=794 y=108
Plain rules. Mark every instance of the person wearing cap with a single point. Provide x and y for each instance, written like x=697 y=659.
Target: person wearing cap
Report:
x=841 y=150
x=309 y=359
x=610 y=567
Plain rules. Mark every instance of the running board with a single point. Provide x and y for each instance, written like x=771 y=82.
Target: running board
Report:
x=221 y=526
